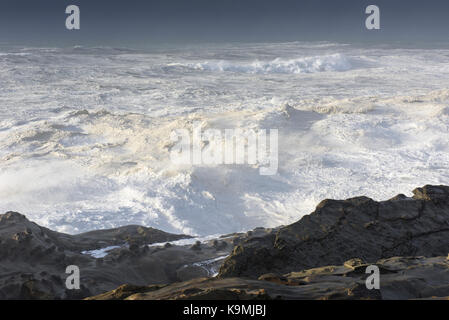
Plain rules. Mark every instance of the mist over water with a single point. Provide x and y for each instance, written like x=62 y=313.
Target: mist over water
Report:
x=85 y=132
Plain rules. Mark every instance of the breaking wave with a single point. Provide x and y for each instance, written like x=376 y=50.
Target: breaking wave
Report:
x=84 y=132
x=334 y=62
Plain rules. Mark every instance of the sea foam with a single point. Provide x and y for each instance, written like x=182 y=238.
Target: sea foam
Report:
x=334 y=62
x=84 y=133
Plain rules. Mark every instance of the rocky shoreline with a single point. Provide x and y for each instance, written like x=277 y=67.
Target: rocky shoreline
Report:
x=322 y=256
x=33 y=259
x=402 y=278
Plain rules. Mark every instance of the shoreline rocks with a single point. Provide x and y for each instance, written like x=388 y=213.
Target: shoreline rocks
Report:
x=322 y=256
x=339 y=230
x=33 y=259
x=400 y=278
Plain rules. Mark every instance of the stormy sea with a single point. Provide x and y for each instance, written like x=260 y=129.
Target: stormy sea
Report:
x=85 y=132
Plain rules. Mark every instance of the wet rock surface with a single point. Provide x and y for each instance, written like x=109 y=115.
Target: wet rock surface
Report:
x=400 y=278
x=33 y=259
x=355 y=228
x=322 y=256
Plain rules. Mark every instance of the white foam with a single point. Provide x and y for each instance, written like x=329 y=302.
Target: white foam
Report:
x=186 y=242
x=211 y=266
x=100 y=253
x=334 y=62
x=84 y=134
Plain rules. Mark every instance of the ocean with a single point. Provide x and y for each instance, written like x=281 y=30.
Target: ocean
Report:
x=85 y=132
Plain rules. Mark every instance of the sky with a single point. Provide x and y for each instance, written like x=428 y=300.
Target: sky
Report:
x=141 y=23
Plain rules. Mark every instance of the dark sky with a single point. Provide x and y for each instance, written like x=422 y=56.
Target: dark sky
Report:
x=140 y=23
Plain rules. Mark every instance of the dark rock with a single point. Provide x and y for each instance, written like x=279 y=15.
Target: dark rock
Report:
x=33 y=259
x=125 y=291
x=191 y=272
x=341 y=230
x=414 y=278
x=196 y=246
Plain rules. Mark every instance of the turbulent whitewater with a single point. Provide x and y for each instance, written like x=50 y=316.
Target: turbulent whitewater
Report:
x=335 y=62
x=84 y=132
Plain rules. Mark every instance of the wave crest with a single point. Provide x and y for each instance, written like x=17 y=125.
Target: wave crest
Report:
x=334 y=62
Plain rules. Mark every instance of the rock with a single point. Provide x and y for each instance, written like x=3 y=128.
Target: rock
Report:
x=271 y=277
x=432 y=193
x=220 y=245
x=322 y=256
x=33 y=259
x=124 y=291
x=191 y=272
x=11 y=217
x=196 y=246
x=412 y=278
x=354 y=263
x=341 y=230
